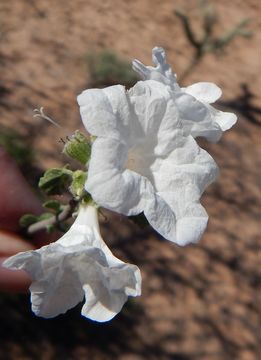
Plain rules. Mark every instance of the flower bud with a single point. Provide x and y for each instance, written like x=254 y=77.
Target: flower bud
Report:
x=78 y=147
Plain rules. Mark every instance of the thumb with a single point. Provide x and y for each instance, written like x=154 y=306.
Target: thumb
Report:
x=17 y=198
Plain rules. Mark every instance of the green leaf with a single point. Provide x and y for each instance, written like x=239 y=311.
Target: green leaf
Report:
x=55 y=181
x=27 y=220
x=53 y=205
x=78 y=148
x=45 y=216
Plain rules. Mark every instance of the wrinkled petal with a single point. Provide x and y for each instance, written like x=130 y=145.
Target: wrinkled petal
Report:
x=162 y=71
x=154 y=115
x=112 y=301
x=78 y=265
x=110 y=183
x=202 y=120
x=204 y=91
x=105 y=112
x=225 y=120
x=180 y=180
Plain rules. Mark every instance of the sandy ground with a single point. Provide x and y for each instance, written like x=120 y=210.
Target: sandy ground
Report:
x=198 y=302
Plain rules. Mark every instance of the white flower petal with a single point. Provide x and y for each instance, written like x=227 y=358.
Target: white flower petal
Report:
x=225 y=120
x=112 y=301
x=180 y=180
x=162 y=71
x=204 y=91
x=161 y=217
x=202 y=120
x=76 y=265
x=155 y=113
x=191 y=109
x=105 y=112
x=110 y=183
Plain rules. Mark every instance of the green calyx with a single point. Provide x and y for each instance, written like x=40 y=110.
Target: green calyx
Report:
x=58 y=181
x=77 y=185
x=78 y=147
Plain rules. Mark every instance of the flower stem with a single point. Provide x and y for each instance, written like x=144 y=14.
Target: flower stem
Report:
x=54 y=220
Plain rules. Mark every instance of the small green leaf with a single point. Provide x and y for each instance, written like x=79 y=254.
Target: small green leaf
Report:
x=53 y=205
x=78 y=148
x=28 y=219
x=56 y=181
x=45 y=216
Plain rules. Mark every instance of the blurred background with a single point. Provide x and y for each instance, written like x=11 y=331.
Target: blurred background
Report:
x=199 y=302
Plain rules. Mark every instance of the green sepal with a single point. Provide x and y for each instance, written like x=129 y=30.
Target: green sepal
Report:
x=27 y=220
x=88 y=200
x=78 y=147
x=55 y=181
x=77 y=186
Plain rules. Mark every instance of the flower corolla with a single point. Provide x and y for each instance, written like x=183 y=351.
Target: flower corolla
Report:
x=78 y=265
x=145 y=157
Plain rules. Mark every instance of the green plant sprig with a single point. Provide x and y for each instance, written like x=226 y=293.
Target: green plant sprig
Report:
x=62 y=181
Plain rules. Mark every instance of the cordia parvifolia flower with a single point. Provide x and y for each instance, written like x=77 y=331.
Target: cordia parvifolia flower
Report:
x=79 y=265
x=145 y=157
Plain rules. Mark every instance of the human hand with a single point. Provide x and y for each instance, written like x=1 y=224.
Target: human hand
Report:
x=16 y=199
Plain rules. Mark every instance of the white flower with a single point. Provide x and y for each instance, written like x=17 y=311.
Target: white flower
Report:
x=145 y=158
x=77 y=265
